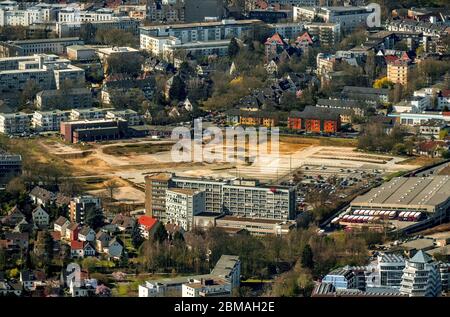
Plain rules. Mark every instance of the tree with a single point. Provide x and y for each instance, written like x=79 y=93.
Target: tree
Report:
x=136 y=237
x=15 y=186
x=160 y=233
x=177 y=90
x=94 y=217
x=383 y=82
x=123 y=64
x=233 y=48
x=307 y=257
x=111 y=187
x=28 y=94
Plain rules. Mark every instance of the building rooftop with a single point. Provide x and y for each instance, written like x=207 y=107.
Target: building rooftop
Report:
x=408 y=192
x=202 y=24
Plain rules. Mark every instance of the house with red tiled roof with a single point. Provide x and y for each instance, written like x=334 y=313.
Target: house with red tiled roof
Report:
x=81 y=249
x=432 y=148
x=147 y=226
x=305 y=40
x=274 y=45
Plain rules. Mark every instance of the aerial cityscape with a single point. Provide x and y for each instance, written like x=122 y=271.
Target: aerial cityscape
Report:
x=225 y=148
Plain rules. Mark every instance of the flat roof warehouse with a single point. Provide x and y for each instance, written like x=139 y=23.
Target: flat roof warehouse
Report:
x=422 y=193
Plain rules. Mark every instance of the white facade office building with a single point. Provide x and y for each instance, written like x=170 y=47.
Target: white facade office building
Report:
x=421 y=277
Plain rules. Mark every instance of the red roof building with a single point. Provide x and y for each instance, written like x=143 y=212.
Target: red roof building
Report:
x=147 y=222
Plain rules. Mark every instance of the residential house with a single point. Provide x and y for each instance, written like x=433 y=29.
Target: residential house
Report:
x=14 y=217
x=16 y=239
x=86 y=233
x=72 y=231
x=124 y=223
x=40 y=217
x=41 y=196
x=432 y=148
x=102 y=240
x=81 y=249
x=147 y=226
x=60 y=225
x=115 y=248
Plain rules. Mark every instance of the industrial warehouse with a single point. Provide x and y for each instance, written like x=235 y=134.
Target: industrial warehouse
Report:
x=402 y=202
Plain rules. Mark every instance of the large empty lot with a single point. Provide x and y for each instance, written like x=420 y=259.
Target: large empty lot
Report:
x=133 y=159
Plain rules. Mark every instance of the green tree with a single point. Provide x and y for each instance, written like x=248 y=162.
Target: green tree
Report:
x=94 y=217
x=136 y=237
x=233 y=48
x=177 y=90
x=160 y=233
x=307 y=257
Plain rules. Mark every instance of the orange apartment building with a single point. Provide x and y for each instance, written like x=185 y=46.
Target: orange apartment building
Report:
x=253 y=118
x=399 y=72
x=315 y=120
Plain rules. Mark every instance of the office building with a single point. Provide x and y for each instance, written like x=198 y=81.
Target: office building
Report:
x=385 y=271
x=94 y=130
x=211 y=287
x=421 y=277
x=254 y=226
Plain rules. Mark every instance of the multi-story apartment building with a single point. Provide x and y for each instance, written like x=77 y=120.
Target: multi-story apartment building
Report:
x=182 y=204
x=49 y=120
x=421 y=276
x=195 y=32
x=81 y=205
x=156 y=186
x=132 y=117
x=87 y=30
x=70 y=98
x=47 y=71
x=288 y=30
x=213 y=190
x=249 y=200
x=37 y=46
x=166 y=11
x=348 y=17
x=76 y=15
x=10 y=166
x=195 y=49
x=88 y=114
x=15 y=123
x=327 y=33
x=224 y=196
x=399 y=72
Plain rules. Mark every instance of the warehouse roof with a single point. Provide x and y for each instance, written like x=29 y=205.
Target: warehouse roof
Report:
x=410 y=192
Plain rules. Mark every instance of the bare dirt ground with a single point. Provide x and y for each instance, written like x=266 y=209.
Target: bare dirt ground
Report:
x=294 y=152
